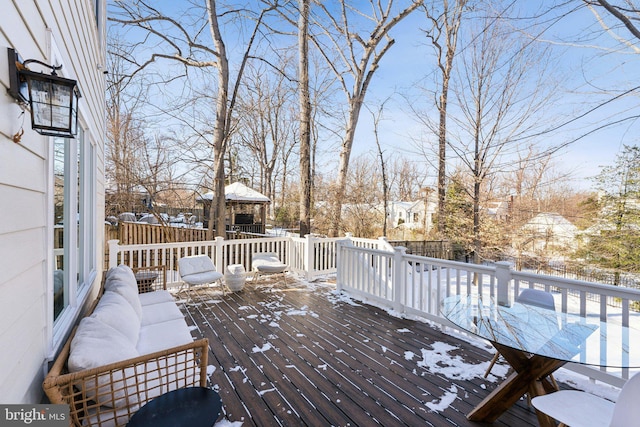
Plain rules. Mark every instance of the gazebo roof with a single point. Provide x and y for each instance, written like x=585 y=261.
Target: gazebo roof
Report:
x=239 y=193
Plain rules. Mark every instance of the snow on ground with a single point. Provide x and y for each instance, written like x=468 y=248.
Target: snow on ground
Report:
x=439 y=359
x=445 y=401
x=452 y=366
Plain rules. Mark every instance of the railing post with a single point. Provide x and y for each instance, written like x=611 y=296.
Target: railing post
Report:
x=290 y=249
x=384 y=245
x=340 y=261
x=219 y=244
x=113 y=252
x=503 y=277
x=309 y=242
x=398 y=278
x=339 y=273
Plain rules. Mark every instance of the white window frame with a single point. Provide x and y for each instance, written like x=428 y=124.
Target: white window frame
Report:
x=81 y=149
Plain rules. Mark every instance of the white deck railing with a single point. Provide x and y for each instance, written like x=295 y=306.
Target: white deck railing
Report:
x=415 y=285
x=374 y=271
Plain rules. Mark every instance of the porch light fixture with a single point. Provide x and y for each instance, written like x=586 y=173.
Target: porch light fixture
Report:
x=53 y=100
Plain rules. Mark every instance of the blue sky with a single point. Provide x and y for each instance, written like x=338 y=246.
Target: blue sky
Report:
x=584 y=71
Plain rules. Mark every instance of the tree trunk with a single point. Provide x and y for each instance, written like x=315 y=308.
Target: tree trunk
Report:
x=305 y=119
x=218 y=205
x=343 y=168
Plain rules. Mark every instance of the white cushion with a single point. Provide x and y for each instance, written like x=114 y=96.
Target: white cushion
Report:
x=195 y=264
x=202 y=278
x=122 y=280
x=267 y=262
x=121 y=274
x=155 y=297
x=97 y=344
x=116 y=312
x=161 y=312
x=161 y=336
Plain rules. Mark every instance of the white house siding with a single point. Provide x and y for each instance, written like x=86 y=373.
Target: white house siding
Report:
x=37 y=29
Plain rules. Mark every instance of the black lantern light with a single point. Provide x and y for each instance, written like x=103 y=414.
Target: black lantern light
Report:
x=53 y=100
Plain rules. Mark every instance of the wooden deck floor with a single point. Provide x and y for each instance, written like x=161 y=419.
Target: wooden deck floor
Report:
x=295 y=356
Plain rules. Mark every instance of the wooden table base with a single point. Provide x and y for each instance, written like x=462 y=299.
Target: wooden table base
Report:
x=531 y=375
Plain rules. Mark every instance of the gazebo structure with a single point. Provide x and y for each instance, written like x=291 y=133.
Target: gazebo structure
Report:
x=246 y=208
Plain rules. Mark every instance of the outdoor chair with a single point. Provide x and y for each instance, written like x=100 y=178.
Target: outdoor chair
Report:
x=199 y=270
x=580 y=409
x=536 y=298
x=268 y=263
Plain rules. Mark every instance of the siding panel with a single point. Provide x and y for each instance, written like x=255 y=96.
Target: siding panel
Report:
x=30 y=26
x=25 y=211
x=23 y=171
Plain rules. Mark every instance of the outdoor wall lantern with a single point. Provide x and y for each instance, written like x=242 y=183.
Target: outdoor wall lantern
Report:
x=53 y=100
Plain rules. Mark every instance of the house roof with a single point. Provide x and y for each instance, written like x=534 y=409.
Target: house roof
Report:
x=240 y=193
x=544 y=222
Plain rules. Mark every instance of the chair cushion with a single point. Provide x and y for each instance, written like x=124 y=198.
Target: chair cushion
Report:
x=158 y=313
x=202 y=278
x=116 y=312
x=97 y=344
x=267 y=262
x=160 y=336
x=575 y=408
x=195 y=264
x=155 y=297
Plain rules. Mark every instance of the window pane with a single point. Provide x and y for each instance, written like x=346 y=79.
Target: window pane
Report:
x=59 y=292
x=79 y=201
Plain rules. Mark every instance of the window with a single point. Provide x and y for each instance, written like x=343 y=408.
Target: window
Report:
x=74 y=253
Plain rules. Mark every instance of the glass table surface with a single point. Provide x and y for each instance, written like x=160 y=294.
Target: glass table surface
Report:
x=546 y=332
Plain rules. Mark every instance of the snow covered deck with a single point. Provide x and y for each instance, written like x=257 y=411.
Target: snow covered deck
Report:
x=302 y=355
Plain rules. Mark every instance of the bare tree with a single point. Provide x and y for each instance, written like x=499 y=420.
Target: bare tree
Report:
x=305 y=118
x=445 y=18
x=383 y=174
x=125 y=133
x=184 y=43
x=500 y=92
x=357 y=57
x=363 y=215
x=266 y=123
x=626 y=13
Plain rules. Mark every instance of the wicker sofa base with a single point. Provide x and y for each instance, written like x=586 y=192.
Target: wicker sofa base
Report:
x=109 y=395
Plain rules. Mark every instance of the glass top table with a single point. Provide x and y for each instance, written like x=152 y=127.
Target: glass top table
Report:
x=545 y=332
x=536 y=342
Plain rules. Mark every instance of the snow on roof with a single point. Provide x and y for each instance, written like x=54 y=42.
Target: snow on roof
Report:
x=544 y=222
x=238 y=192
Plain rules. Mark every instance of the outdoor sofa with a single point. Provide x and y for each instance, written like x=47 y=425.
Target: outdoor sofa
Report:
x=127 y=350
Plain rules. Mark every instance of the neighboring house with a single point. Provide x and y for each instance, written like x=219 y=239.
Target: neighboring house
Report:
x=498 y=210
x=548 y=232
x=413 y=215
x=52 y=191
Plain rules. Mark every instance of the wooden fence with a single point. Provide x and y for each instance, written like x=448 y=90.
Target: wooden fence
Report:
x=133 y=233
x=430 y=248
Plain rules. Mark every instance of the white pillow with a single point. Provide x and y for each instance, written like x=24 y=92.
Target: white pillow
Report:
x=96 y=344
x=122 y=273
x=122 y=280
x=114 y=310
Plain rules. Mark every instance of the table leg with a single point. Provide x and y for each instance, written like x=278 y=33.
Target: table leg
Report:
x=530 y=375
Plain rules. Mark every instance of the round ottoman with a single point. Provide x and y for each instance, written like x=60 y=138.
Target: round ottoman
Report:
x=234 y=277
